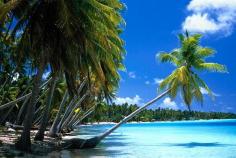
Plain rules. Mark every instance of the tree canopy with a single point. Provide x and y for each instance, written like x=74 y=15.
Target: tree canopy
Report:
x=188 y=60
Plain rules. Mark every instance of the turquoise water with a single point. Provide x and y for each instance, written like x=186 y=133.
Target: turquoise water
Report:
x=189 y=139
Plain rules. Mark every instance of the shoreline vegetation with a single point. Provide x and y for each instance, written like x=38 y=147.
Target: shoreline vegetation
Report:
x=113 y=113
x=171 y=121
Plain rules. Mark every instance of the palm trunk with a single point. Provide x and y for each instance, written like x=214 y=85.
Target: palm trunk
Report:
x=40 y=97
x=66 y=113
x=37 y=120
x=18 y=121
x=92 y=142
x=21 y=111
x=73 y=109
x=39 y=110
x=11 y=103
x=73 y=119
x=24 y=142
x=40 y=134
x=53 y=129
x=77 y=118
x=12 y=107
x=69 y=107
x=84 y=116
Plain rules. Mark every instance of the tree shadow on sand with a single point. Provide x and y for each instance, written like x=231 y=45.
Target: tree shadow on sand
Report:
x=102 y=150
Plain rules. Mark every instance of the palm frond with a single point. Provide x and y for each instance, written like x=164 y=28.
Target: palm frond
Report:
x=204 y=52
x=214 y=67
x=202 y=84
x=189 y=57
x=167 y=57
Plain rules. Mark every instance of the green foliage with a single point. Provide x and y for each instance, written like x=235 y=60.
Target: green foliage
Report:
x=13 y=80
x=114 y=113
x=187 y=59
x=79 y=40
x=77 y=37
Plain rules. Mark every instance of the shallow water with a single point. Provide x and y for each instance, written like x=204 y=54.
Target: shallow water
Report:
x=188 y=139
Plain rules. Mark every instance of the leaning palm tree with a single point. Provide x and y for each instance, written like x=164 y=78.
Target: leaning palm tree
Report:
x=188 y=59
x=73 y=36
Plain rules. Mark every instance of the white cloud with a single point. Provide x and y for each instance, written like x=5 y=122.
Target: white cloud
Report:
x=201 y=5
x=147 y=82
x=132 y=74
x=204 y=92
x=169 y=104
x=135 y=100
x=201 y=23
x=211 y=16
x=157 y=80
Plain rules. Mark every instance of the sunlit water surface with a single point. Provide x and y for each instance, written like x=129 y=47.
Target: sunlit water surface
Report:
x=185 y=139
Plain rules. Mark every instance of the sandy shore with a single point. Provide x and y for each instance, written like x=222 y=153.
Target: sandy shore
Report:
x=135 y=122
x=9 y=136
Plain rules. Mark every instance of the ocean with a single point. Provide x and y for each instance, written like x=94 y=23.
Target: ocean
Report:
x=180 y=139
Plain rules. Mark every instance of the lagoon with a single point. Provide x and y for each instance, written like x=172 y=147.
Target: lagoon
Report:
x=180 y=139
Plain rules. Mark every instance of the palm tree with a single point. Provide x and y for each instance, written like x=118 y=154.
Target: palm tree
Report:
x=189 y=58
x=71 y=36
x=60 y=98
x=40 y=134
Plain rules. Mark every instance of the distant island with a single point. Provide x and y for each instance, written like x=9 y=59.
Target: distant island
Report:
x=114 y=113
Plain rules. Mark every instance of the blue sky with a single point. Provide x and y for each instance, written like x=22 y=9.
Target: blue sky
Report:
x=153 y=26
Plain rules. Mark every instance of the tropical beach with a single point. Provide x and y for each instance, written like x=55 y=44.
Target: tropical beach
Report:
x=200 y=139
x=117 y=78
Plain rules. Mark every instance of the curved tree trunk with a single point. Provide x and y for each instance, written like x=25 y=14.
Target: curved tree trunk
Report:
x=93 y=142
x=72 y=101
x=83 y=117
x=24 y=105
x=77 y=118
x=72 y=110
x=17 y=121
x=73 y=119
x=130 y=116
x=40 y=134
x=11 y=103
x=67 y=111
x=53 y=129
x=70 y=106
x=37 y=121
x=39 y=98
x=24 y=142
